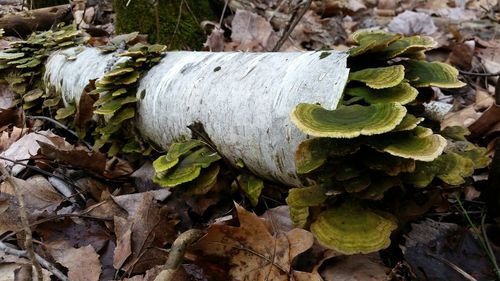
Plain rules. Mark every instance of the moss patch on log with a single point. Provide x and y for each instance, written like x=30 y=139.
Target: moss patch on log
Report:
x=176 y=31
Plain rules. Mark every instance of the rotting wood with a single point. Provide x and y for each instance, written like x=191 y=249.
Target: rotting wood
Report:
x=24 y=23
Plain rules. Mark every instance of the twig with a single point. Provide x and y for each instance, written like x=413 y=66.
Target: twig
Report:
x=41 y=171
x=482 y=242
x=479 y=74
x=47 y=265
x=28 y=240
x=157 y=20
x=62 y=126
x=293 y=23
x=490 y=251
x=223 y=12
x=454 y=267
x=176 y=255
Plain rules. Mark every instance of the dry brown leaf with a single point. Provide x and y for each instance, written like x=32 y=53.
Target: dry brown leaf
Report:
x=252 y=32
x=39 y=195
x=457 y=14
x=150 y=230
x=79 y=157
x=8 y=138
x=82 y=263
x=116 y=167
x=461 y=55
x=463 y=117
x=483 y=100
x=410 y=23
x=355 y=268
x=40 y=199
x=388 y=4
x=7 y=97
x=11 y=117
x=24 y=148
x=85 y=109
x=76 y=232
x=215 y=41
x=278 y=219
x=255 y=253
x=430 y=242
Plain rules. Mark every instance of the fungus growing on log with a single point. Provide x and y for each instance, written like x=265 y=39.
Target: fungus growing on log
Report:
x=437 y=74
x=379 y=77
x=402 y=93
x=352 y=229
x=347 y=121
x=371 y=40
x=408 y=45
x=256 y=112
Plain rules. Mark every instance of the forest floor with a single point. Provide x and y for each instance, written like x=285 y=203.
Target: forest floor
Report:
x=98 y=218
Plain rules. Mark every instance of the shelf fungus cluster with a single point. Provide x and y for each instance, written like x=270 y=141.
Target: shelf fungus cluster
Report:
x=373 y=141
x=22 y=65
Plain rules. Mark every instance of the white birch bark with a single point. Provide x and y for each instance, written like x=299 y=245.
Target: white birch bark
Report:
x=243 y=100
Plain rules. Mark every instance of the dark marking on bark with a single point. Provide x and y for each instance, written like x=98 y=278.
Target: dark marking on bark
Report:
x=324 y=55
x=217 y=68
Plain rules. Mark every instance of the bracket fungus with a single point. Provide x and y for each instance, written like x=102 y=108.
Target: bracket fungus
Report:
x=389 y=144
x=352 y=229
x=371 y=40
x=437 y=74
x=379 y=77
x=347 y=121
x=402 y=93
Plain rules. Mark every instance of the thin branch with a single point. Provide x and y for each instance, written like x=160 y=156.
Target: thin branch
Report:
x=490 y=252
x=223 y=12
x=47 y=265
x=41 y=171
x=453 y=266
x=482 y=242
x=479 y=74
x=176 y=255
x=293 y=23
x=28 y=240
x=62 y=126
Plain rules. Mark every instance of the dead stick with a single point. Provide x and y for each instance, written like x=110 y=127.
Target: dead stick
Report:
x=293 y=23
x=42 y=261
x=24 y=23
x=28 y=240
x=176 y=255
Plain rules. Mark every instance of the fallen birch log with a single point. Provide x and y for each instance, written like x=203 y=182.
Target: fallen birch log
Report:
x=242 y=100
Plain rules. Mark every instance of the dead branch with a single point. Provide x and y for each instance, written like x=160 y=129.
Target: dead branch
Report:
x=177 y=252
x=28 y=240
x=47 y=265
x=40 y=19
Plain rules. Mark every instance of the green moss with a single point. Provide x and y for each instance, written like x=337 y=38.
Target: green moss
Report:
x=177 y=32
x=47 y=3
